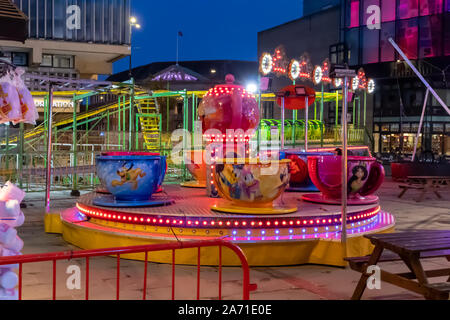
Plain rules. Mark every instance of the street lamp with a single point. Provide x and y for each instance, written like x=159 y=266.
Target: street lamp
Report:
x=133 y=23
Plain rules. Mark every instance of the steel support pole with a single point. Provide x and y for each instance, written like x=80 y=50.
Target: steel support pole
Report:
x=282 y=123
x=344 y=166
x=119 y=122
x=124 y=123
x=131 y=117
x=419 y=75
x=21 y=137
x=48 y=178
x=306 y=122
x=321 y=105
x=420 y=125
x=337 y=108
x=74 y=191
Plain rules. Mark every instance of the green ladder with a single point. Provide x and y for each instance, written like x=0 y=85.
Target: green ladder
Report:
x=150 y=120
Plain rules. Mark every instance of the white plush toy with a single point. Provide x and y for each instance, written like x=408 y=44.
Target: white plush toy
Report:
x=10 y=243
x=11 y=192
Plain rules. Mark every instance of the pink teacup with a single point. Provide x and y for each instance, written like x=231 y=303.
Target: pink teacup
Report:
x=364 y=174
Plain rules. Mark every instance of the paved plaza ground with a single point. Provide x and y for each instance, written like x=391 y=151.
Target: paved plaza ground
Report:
x=274 y=283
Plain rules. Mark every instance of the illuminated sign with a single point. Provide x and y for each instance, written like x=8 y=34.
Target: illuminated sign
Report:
x=60 y=104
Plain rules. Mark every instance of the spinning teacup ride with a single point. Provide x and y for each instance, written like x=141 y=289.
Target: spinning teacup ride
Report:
x=271 y=226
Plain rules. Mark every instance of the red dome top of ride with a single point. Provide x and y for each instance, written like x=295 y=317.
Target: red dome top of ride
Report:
x=293 y=102
x=228 y=106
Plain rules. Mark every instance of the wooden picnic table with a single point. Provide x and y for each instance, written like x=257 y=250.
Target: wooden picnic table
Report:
x=411 y=248
x=424 y=183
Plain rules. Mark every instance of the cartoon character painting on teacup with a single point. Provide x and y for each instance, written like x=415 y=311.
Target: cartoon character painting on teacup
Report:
x=357 y=180
x=229 y=176
x=249 y=185
x=128 y=175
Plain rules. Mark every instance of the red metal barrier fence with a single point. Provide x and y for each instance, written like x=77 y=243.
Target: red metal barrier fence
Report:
x=118 y=251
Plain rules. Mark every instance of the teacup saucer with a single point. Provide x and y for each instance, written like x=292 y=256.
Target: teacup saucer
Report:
x=193 y=184
x=275 y=209
x=110 y=201
x=319 y=198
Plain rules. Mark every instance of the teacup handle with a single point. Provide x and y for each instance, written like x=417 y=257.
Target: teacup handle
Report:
x=376 y=178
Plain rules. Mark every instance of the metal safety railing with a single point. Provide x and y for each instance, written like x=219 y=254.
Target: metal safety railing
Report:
x=146 y=249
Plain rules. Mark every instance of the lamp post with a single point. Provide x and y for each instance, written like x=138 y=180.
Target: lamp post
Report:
x=133 y=23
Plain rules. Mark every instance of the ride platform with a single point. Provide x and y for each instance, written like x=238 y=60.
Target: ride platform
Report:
x=311 y=234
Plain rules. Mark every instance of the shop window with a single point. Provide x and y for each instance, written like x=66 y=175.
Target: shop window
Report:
x=438 y=127
x=430 y=44
x=370 y=41
x=47 y=60
x=387 y=52
x=57 y=61
x=20 y=58
x=407 y=9
x=385 y=127
x=388 y=10
x=395 y=127
x=407 y=36
x=428 y=7
x=17 y=58
x=353 y=46
x=406 y=127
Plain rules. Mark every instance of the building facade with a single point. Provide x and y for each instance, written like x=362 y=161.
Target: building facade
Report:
x=421 y=28
x=356 y=32
x=71 y=38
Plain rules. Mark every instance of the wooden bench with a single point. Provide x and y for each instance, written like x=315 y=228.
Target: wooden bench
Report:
x=409 y=247
x=424 y=183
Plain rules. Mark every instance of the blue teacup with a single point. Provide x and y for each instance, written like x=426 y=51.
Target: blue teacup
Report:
x=131 y=177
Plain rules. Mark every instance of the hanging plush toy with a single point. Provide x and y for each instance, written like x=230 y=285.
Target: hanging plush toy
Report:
x=27 y=106
x=10 y=109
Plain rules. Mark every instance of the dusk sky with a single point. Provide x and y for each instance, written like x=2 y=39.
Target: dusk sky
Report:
x=212 y=29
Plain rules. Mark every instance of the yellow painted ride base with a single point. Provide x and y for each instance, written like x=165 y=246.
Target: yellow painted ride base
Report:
x=275 y=209
x=323 y=251
x=193 y=184
x=52 y=223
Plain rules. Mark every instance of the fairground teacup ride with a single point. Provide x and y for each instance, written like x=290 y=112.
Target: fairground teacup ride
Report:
x=300 y=180
x=131 y=178
x=195 y=163
x=250 y=186
x=365 y=176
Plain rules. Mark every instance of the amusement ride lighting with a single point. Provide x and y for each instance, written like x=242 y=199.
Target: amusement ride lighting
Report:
x=294 y=69
x=337 y=82
x=317 y=74
x=370 y=86
x=218 y=223
x=355 y=83
x=266 y=63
